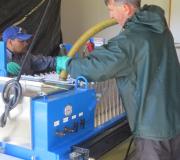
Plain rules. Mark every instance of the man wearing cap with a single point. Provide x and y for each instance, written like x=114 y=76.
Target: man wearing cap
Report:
x=17 y=43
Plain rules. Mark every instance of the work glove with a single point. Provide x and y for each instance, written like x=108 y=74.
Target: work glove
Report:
x=61 y=62
x=13 y=68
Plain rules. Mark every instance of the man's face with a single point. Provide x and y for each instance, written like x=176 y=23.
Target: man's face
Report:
x=119 y=12
x=18 y=46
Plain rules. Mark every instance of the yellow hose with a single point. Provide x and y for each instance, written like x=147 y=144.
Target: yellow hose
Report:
x=85 y=36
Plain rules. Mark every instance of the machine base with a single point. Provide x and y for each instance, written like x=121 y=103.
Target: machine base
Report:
x=104 y=142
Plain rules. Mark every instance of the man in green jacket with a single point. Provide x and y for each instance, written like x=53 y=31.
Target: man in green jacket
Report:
x=143 y=60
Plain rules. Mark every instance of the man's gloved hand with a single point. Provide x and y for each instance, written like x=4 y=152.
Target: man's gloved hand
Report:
x=13 y=68
x=61 y=63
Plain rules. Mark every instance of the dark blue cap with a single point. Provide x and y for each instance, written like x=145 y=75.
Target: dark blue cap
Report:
x=14 y=32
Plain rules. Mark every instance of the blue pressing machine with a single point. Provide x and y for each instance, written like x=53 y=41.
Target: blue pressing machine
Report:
x=51 y=120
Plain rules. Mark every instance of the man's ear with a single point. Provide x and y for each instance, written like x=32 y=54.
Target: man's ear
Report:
x=130 y=9
x=127 y=8
x=9 y=43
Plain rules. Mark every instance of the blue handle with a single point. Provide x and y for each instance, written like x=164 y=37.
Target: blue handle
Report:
x=3 y=71
x=80 y=79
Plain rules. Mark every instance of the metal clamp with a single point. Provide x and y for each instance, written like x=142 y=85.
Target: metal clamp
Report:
x=79 y=153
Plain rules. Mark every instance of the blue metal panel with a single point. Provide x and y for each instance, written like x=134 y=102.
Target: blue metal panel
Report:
x=50 y=110
x=6 y=157
x=3 y=71
x=17 y=151
x=51 y=114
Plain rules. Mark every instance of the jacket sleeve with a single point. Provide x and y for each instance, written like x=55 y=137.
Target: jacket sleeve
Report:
x=41 y=63
x=105 y=62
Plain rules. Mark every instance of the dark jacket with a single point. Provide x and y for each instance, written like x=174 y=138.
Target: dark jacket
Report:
x=143 y=60
x=34 y=63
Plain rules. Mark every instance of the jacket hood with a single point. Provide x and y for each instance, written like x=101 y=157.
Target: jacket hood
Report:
x=150 y=16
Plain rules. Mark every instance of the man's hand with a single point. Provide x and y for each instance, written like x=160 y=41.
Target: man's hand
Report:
x=13 y=68
x=61 y=63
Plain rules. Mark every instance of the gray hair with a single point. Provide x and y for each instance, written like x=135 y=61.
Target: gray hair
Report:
x=135 y=3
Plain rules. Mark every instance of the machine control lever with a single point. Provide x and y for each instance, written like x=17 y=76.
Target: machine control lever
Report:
x=68 y=130
x=82 y=123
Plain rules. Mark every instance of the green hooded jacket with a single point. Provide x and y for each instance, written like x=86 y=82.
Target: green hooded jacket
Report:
x=143 y=60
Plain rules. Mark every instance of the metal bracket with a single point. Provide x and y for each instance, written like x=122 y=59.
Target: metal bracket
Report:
x=79 y=153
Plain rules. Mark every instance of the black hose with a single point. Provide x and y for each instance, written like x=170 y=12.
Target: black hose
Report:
x=33 y=40
x=129 y=147
x=11 y=96
x=12 y=91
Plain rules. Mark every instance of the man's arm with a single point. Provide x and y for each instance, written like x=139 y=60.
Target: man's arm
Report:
x=105 y=62
x=41 y=63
